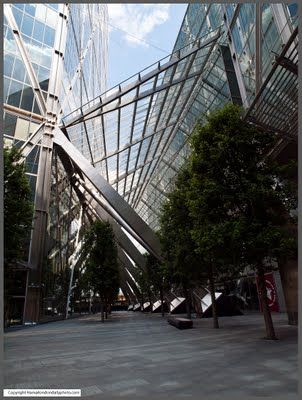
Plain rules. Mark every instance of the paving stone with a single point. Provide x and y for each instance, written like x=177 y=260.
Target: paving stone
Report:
x=90 y=390
x=136 y=355
x=116 y=386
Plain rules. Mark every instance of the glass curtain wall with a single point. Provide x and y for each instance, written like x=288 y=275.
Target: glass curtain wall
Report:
x=84 y=76
x=238 y=23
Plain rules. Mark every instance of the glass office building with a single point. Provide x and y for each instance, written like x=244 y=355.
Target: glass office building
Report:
x=238 y=24
x=55 y=59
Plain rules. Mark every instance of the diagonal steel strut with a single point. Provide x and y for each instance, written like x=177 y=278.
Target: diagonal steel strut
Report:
x=121 y=207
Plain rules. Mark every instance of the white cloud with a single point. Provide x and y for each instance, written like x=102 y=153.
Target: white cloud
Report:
x=138 y=20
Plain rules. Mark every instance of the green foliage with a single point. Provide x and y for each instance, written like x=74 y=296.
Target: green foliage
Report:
x=18 y=214
x=143 y=283
x=151 y=280
x=18 y=208
x=238 y=199
x=229 y=207
x=182 y=264
x=101 y=269
x=60 y=289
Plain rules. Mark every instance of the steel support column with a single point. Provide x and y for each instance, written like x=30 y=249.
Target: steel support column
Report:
x=258 y=50
x=237 y=68
x=231 y=75
x=280 y=18
x=38 y=249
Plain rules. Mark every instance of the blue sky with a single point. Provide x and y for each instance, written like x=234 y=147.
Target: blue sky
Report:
x=137 y=32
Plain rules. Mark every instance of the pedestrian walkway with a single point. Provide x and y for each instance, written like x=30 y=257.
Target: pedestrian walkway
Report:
x=139 y=355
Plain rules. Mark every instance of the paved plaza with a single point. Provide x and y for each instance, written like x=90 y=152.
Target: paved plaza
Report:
x=135 y=355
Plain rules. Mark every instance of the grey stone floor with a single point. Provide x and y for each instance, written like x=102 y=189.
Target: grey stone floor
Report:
x=140 y=356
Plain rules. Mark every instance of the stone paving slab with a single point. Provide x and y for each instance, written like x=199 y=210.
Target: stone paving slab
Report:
x=135 y=355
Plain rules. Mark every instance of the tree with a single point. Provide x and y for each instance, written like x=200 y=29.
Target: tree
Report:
x=155 y=277
x=238 y=198
x=18 y=214
x=101 y=267
x=179 y=250
x=18 y=207
x=144 y=285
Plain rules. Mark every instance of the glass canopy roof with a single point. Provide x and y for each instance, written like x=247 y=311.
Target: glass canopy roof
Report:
x=137 y=127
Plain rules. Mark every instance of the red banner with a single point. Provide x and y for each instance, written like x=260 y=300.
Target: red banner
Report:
x=271 y=292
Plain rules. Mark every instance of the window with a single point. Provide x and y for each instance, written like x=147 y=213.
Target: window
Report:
x=38 y=31
x=5 y=88
x=36 y=109
x=15 y=93
x=230 y=11
x=27 y=25
x=237 y=39
x=52 y=18
x=54 y=6
x=43 y=77
x=44 y=84
x=8 y=64
x=41 y=12
x=49 y=36
x=30 y=9
x=27 y=98
x=19 y=70
x=33 y=158
x=18 y=16
x=9 y=124
x=32 y=183
x=20 y=6
x=293 y=9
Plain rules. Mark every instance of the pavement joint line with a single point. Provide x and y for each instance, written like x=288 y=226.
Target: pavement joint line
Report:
x=180 y=340
x=151 y=344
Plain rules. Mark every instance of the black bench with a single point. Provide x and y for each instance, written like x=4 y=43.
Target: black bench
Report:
x=180 y=323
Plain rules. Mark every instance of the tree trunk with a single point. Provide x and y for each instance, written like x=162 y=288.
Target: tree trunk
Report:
x=102 y=310
x=150 y=301
x=106 y=309
x=90 y=303
x=188 y=301
x=198 y=308
x=270 y=331
x=162 y=302
x=142 y=303
x=6 y=313
x=212 y=291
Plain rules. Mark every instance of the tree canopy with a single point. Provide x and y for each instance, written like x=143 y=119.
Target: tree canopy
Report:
x=18 y=215
x=101 y=268
x=18 y=207
x=229 y=207
x=183 y=265
x=238 y=199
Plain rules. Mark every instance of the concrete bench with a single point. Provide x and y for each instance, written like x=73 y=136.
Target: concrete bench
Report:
x=180 y=323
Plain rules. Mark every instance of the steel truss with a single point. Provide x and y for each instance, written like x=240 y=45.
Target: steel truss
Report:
x=275 y=106
x=148 y=106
